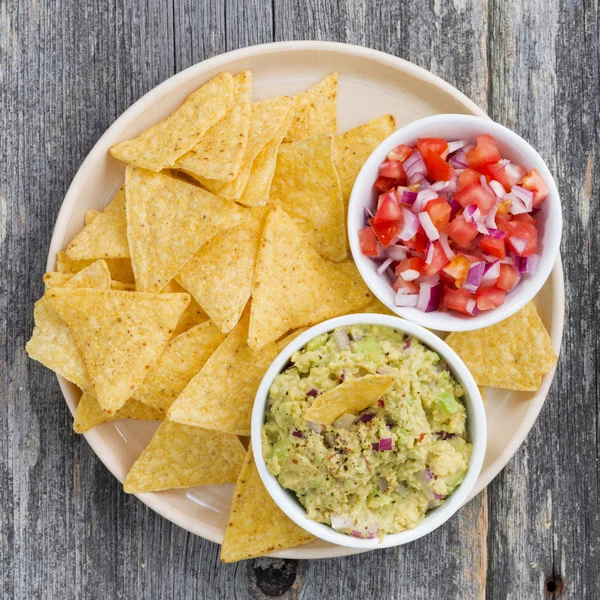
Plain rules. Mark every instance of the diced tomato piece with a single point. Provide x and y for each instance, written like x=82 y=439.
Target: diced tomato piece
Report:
x=534 y=183
x=437 y=145
x=488 y=298
x=392 y=169
x=389 y=209
x=439 y=212
x=412 y=264
x=460 y=231
x=485 y=153
x=476 y=194
x=457 y=300
x=385 y=232
x=525 y=218
x=400 y=153
x=437 y=168
x=467 y=177
x=384 y=184
x=447 y=279
x=409 y=286
x=368 y=241
x=419 y=242
x=493 y=246
x=508 y=277
x=524 y=231
x=438 y=261
x=457 y=269
x=497 y=172
x=502 y=219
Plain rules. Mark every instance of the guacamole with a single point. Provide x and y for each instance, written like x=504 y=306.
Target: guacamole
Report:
x=380 y=470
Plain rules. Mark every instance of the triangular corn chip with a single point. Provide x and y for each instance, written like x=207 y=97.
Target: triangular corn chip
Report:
x=351 y=149
x=256 y=192
x=307 y=187
x=256 y=524
x=183 y=358
x=160 y=146
x=90 y=215
x=315 y=110
x=89 y=414
x=513 y=354
x=180 y=456
x=52 y=342
x=55 y=279
x=222 y=394
x=120 y=268
x=193 y=315
x=218 y=155
x=120 y=335
x=266 y=118
x=219 y=275
x=167 y=221
x=293 y=286
x=349 y=397
x=106 y=236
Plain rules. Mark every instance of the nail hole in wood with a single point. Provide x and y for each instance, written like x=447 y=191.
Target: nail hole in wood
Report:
x=554 y=586
x=275 y=577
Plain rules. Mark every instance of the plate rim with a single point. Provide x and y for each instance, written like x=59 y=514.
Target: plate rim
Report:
x=103 y=450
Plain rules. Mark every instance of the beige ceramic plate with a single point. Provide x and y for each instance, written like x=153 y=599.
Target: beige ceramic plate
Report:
x=371 y=83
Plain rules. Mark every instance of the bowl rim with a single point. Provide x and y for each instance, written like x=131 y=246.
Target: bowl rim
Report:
x=445 y=321
x=475 y=411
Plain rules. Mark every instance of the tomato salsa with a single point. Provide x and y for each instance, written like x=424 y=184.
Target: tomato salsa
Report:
x=454 y=228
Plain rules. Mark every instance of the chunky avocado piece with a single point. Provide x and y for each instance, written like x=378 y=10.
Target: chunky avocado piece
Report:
x=317 y=342
x=449 y=403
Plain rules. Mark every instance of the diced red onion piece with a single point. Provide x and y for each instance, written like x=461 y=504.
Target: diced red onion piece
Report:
x=455 y=207
x=497 y=234
x=469 y=212
x=412 y=159
x=431 y=279
x=481 y=227
x=423 y=197
x=474 y=277
x=498 y=189
x=430 y=295
x=486 y=186
x=491 y=273
x=341 y=522
x=408 y=197
x=384 y=265
x=452 y=186
x=438 y=186
x=316 y=427
x=490 y=219
x=410 y=227
x=345 y=421
x=446 y=246
x=517 y=205
x=525 y=195
x=386 y=444
x=430 y=229
x=458 y=160
x=471 y=308
x=383 y=485
x=519 y=244
x=429 y=253
x=366 y=417
x=397 y=253
x=423 y=479
x=456 y=145
x=529 y=264
x=409 y=274
x=368 y=216
x=341 y=339
x=313 y=392
x=406 y=299
x=415 y=166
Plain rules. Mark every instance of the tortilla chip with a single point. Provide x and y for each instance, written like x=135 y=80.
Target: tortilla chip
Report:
x=258 y=187
x=120 y=268
x=90 y=215
x=221 y=395
x=219 y=275
x=513 y=354
x=193 y=315
x=106 y=236
x=55 y=279
x=293 y=286
x=315 y=110
x=183 y=358
x=52 y=342
x=180 y=456
x=120 y=335
x=160 y=146
x=349 y=397
x=351 y=150
x=266 y=118
x=89 y=414
x=307 y=187
x=167 y=222
x=218 y=155
x=256 y=524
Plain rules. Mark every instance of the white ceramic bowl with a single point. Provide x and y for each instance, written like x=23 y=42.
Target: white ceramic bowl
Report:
x=476 y=427
x=512 y=147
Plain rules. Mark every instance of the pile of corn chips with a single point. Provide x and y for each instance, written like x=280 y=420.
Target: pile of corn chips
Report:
x=226 y=240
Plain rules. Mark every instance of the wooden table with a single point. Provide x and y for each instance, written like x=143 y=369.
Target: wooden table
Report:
x=67 y=70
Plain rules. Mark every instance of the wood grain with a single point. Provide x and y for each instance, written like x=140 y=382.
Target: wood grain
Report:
x=67 y=70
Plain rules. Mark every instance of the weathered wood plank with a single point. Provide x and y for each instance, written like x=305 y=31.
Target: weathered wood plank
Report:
x=545 y=519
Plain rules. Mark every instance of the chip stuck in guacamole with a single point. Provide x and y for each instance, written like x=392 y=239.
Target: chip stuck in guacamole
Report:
x=377 y=470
